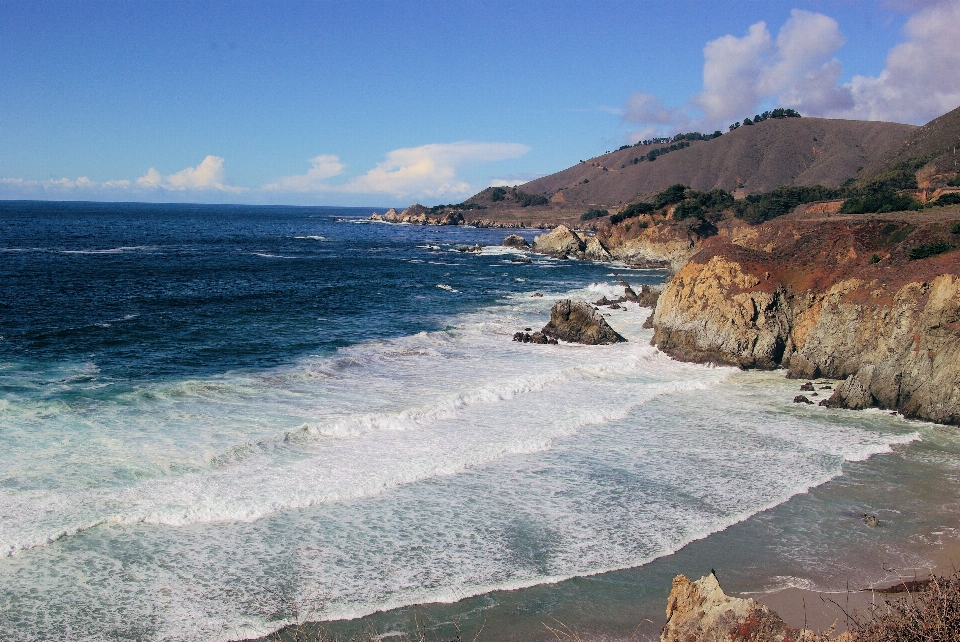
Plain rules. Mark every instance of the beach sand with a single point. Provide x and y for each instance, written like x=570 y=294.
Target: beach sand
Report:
x=818 y=611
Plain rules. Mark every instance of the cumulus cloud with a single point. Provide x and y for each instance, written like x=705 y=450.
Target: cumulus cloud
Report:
x=428 y=171
x=431 y=170
x=322 y=168
x=208 y=175
x=920 y=80
x=798 y=69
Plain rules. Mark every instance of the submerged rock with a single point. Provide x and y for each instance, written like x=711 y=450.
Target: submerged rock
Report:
x=517 y=242
x=871 y=520
x=578 y=322
x=802 y=399
x=536 y=337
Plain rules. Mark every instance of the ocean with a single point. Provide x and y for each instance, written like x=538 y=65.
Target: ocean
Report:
x=216 y=421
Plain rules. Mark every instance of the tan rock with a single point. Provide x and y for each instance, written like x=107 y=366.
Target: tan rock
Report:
x=595 y=251
x=560 y=242
x=701 y=612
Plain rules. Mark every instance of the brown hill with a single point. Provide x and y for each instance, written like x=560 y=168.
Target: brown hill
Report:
x=753 y=159
x=937 y=143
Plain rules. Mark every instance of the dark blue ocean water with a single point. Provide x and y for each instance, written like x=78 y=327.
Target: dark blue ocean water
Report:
x=183 y=290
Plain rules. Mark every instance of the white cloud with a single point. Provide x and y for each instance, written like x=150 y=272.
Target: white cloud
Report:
x=920 y=80
x=63 y=185
x=798 y=69
x=208 y=175
x=428 y=171
x=323 y=167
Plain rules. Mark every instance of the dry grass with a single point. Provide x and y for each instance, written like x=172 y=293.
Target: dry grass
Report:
x=930 y=615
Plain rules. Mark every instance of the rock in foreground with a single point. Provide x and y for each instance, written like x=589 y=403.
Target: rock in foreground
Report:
x=700 y=611
x=578 y=322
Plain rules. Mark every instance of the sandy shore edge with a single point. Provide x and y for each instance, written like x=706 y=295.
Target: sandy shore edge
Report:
x=803 y=608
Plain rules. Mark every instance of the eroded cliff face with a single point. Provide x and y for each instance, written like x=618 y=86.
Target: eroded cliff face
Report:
x=828 y=298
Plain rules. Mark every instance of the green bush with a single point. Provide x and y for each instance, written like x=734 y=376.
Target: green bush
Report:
x=955 y=181
x=758 y=208
x=632 y=211
x=955 y=228
x=953 y=198
x=714 y=200
x=673 y=194
x=593 y=213
x=879 y=203
x=689 y=208
x=498 y=194
x=527 y=200
x=929 y=249
x=875 y=258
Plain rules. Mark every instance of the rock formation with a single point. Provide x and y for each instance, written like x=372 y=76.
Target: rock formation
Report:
x=418 y=215
x=561 y=242
x=810 y=296
x=578 y=322
x=517 y=242
x=595 y=250
x=701 y=612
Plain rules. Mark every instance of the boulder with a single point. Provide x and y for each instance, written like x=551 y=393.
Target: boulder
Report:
x=578 y=322
x=536 y=337
x=871 y=520
x=559 y=243
x=516 y=241
x=391 y=216
x=807 y=387
x=648 y=296
x=595 y=250
x=376 y=217
x=700 y=611
x=802 y=399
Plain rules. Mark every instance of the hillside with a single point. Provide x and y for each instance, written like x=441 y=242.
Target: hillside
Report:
x=937 y=142
x=758 y=158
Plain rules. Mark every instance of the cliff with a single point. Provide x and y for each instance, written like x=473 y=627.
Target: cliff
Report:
x=836 y=297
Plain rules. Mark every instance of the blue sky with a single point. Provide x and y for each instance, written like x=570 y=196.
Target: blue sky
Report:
x=372 y=103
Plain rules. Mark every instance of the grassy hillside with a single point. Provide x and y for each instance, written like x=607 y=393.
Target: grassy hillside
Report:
x=757 y=158
x=933 y=148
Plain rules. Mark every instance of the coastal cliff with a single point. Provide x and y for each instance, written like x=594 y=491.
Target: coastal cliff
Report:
x=852 y=298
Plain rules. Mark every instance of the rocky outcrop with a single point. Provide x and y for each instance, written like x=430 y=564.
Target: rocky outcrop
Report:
x=419 y=215
x=595 y=250
x=701 y=612
x=838 y=299
x=578 y=322
x=517 y=242
x=561 y=243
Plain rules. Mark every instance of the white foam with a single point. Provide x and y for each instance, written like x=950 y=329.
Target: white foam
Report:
x=421 y=468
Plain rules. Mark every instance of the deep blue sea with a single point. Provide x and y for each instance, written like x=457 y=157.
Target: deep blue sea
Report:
x=217 y=420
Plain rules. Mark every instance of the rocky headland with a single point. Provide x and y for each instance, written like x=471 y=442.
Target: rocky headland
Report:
x=853 y=298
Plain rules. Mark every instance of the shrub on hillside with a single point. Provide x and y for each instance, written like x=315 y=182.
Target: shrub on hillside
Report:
x=632 y=211
x=881 y=202
x=758 y=208
x=593 y=213
x=953 y=198
x=955 y=228
x=929 y=249
x=673 y=194
x=689 y=208
x=498 y=194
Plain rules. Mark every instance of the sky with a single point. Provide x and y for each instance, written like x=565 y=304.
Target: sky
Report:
x=389 y=103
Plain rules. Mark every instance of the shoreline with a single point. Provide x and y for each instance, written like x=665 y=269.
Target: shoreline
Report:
x=819 y=610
